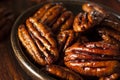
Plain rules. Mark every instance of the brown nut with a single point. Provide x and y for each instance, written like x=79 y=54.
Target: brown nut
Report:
x=110 y=35
x=40 y=13
x=56 y=16
x=113 y=76
x=52 y=14
x=63 y=72
x=89 y=7
x=85 y=21
x=43 y=47
x=64 y=22
x=109 y=19
x=65 y=39
x=93 y=59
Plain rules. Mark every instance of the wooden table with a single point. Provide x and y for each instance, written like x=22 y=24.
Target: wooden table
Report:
x=9 y=67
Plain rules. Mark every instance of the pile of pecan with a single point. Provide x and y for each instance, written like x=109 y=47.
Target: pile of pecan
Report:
x=73 y=47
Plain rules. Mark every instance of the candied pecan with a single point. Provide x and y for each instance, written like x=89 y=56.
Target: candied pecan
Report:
x=93 y=58
x=65 y=38
x=40 y=13
x=29 y=44
x=100 y=48
x=85 y=21
x=92 y=16
x=63 y=72
x=109 y=19
x=63 y=22
x=94 y=68
x=46 y=47
x=112 y=21
x=113 y=76
x=89 y=7
x=110 y=35
x=51 y=15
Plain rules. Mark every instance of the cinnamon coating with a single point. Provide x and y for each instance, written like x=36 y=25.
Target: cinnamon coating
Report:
x=63 y=73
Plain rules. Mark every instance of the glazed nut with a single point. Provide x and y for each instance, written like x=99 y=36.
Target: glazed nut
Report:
x=87 y=20
x=65 y=39
x=51 y=14
x=93 y=58
x=93 y=68
x=110 y=35
x=64 y=22
x=89 y=7
x=43 y=47
x=113 y=76
x=63 y=72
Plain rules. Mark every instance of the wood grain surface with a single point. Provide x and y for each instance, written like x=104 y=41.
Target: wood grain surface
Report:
x=9 y=67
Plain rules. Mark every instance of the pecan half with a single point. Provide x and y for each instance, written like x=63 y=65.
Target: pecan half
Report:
x=29 y=44
x=85 y=21
x=63 y=22
x=109 y=19
x=52 y=14
x=110 y=35
x=43 y=41
x=40 y=13
x=89 y=7
x=63 y=72
x=93 y=59
x=65 y=38
x=113 y=76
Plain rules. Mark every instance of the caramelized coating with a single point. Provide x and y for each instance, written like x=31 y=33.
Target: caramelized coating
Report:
x=40 y=13
x=42 y=42
x=51 y=15
x=110 y=35
x=65 y=38
x=109 y=19
x=63 y=22
x=93 y=59
x=85 y=21
x=29 y=44
x=113 y=76
x=112 y=22
x=93 y=68
x=100 y=48
x=63 y=73
x=89 y=7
